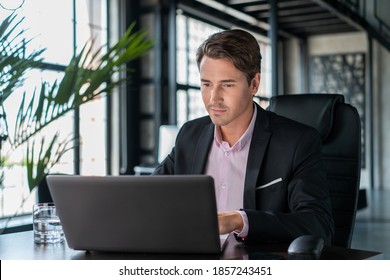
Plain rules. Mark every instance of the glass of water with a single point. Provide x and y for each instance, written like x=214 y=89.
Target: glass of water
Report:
x=46 y=224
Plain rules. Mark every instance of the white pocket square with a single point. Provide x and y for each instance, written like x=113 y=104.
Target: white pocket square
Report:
x=269 y=184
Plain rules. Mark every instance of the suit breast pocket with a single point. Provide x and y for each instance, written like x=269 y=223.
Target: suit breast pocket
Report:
x=270 y=185
x=272 y=195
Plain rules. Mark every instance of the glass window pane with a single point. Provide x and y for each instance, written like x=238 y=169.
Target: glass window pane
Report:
x=182 y=61
x=49 y=23
x=197 y=108
x=93 y=137
x=91 y=23
x=198 y=32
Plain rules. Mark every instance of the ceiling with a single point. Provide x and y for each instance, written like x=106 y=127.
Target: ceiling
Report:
x=296 y=18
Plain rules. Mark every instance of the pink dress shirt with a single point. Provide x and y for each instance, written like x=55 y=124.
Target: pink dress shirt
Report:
x=227 y=165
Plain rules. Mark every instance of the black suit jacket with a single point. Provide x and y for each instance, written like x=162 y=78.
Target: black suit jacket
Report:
x=280 y=148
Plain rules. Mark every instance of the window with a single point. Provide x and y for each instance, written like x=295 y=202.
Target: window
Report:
x=62 y=27
x=190 y=34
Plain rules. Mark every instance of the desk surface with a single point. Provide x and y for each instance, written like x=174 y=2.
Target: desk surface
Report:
x=20 y=246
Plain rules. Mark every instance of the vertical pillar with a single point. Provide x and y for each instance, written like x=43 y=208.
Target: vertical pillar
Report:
x=304 y=66
x=273 y=34
x=370 y=114
x=129 y=102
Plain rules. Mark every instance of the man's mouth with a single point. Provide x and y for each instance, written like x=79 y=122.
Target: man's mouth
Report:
x=217 y=110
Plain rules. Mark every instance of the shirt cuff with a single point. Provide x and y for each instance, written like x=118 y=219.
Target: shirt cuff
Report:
x=244 y=232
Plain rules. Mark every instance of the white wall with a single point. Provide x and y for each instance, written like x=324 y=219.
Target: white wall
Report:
x=338 y=43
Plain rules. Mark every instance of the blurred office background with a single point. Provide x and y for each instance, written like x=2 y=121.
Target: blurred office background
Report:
x=308 y=46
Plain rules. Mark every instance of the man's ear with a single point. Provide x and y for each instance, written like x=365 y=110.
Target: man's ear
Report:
x=255 y=83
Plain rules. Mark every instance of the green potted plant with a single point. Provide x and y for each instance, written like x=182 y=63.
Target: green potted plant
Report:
x=87 y=76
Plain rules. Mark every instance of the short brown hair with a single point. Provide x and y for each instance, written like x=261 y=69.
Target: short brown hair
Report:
x=236 y=45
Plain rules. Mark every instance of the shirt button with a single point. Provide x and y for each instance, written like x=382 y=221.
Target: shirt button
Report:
x=226 y=153
x=223 y=186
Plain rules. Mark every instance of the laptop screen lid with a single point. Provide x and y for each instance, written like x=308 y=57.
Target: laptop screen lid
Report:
x=148 y=214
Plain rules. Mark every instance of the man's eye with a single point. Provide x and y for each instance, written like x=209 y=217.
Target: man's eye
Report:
x=228 y=85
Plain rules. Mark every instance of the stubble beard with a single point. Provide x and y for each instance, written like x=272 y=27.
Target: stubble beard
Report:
x=218 y=119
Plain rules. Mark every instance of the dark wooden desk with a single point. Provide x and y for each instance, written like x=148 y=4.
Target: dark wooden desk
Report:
x=20 y=246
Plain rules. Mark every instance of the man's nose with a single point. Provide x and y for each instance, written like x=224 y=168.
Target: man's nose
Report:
x=216 y=94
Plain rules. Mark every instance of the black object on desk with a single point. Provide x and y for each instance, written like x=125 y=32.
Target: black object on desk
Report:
x=306 y=247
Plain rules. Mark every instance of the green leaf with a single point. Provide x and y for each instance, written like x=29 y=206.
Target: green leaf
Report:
x=14 y=60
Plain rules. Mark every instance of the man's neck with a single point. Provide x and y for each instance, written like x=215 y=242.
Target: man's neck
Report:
x=232 y=132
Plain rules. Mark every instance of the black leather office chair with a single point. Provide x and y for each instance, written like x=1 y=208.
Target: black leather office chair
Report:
x=339 y=126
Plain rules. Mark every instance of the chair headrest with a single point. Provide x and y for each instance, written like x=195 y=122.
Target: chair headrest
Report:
x=315 y=110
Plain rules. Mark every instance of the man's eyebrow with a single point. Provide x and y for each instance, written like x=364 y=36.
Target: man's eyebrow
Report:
x=221 y=81
x=228 y=81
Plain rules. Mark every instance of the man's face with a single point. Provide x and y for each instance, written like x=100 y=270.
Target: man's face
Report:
x=225 y=91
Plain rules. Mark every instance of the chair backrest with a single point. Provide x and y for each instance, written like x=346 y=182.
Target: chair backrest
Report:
x=339 y=126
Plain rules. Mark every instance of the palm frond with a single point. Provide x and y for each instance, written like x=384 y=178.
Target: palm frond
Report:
x=14 y=58
x=38 y=166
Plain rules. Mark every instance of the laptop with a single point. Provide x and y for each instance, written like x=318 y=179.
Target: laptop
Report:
x=139 y=214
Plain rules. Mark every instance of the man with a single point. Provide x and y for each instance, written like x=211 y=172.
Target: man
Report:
x=269 y=178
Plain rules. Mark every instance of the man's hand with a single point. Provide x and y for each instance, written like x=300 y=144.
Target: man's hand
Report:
x=229 y=221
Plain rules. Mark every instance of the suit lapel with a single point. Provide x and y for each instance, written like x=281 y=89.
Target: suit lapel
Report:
x=259 y=143
x=202 y=149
